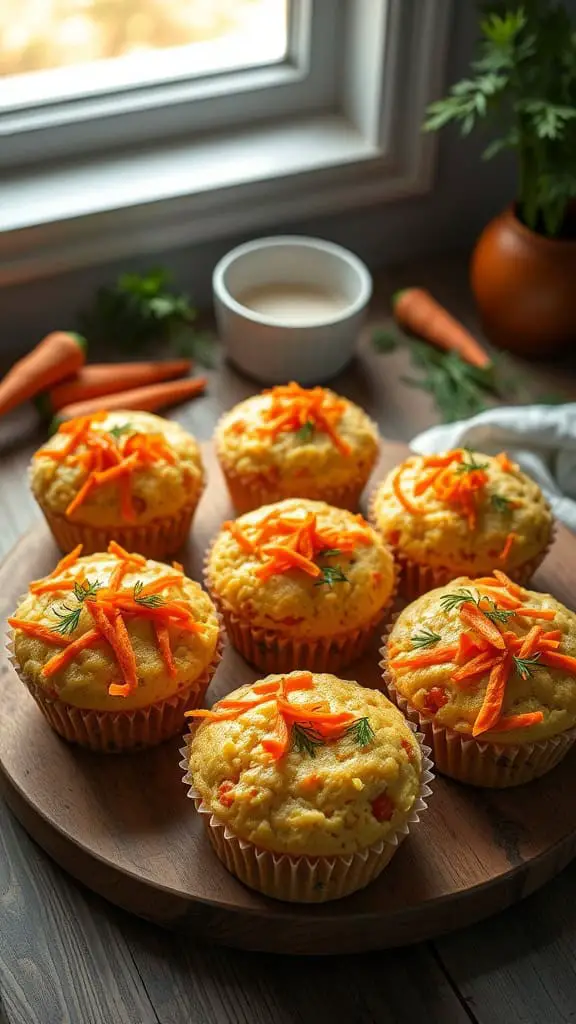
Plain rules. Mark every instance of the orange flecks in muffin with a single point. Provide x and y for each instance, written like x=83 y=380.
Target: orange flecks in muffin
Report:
x=293 y=542
x=109 y=607
x=293 y=408
x=303 y=726
x=107 y=457
x=504 y=554
x=486 y=646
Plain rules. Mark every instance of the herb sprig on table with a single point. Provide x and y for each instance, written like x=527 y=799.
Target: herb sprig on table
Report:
x=458 y=389
x=139 y=309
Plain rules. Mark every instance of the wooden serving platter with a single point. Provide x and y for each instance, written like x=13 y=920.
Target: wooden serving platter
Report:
x=123 y=825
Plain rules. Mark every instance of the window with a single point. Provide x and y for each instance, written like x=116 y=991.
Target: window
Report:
x=273 y=110
x=57 y=49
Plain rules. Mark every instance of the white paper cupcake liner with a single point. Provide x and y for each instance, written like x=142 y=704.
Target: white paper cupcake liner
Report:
x=417 y=578
x=119 y=731
x=303 y=879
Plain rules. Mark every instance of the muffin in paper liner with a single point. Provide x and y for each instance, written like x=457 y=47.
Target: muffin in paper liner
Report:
x=270 y=652
x=119 y=731
x=301 y=879
x=247 y=494
x=416 y=578
x=158 y=539
x=466 y=759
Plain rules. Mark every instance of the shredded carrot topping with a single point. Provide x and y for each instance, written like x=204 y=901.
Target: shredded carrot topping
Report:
x=293 y=408
x=509 y=722
x=457 y=480
x=285 y=542
x=487 y=647
x=36 y=629
x=109 y=606
x=107 y=458
x=505 y=463
x=504 y=554
x=327 y=725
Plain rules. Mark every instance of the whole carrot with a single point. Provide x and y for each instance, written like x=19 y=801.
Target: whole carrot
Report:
x=147 y=399
x=417 y=311
x=98 y=379
x=58 y=355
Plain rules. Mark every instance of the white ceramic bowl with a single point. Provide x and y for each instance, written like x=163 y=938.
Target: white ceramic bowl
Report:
x=270 y=349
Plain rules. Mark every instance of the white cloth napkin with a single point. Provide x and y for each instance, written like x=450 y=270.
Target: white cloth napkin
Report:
x=541 y=438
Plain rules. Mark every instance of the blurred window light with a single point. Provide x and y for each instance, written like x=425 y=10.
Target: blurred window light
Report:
x=60 y=49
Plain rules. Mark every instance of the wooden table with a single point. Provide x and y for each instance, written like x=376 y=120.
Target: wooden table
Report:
x=67 y=956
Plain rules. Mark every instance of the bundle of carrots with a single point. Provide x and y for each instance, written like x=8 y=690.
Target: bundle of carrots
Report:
x=56 y=374
x=486 y=647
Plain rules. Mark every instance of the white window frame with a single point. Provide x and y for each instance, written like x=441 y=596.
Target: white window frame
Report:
x=338 y=124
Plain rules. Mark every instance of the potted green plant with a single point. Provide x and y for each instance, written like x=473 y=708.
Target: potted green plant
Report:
x=523 y=82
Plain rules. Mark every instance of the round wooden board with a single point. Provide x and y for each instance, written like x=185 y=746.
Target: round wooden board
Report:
x=124 y=827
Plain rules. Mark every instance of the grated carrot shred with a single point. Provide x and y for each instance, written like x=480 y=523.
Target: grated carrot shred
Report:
x=509 y=722
x=40 y=632
x=494 y=696
x=291 y=407
x=504 y=554
x=75 y=647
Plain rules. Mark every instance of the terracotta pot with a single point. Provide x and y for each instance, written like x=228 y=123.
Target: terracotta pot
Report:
x=525 y=287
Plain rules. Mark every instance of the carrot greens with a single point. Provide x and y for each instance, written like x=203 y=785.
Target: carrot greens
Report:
x=425 y=638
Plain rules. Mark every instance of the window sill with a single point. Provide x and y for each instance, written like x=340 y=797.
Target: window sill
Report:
x=368 y=148
x=76 y=215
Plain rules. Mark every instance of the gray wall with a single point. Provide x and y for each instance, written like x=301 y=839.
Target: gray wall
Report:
x=467 y=193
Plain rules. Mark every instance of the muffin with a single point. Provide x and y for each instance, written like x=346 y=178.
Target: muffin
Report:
x=461 y=513
x=308 y=784
x=114 y=648
x=300 y=585
x=487 y=670
x=293 y=442
x=126 y=476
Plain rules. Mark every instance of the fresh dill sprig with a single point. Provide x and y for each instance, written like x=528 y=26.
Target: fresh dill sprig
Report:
x=306 y=432
x=329 y=553
x=494 y=613
x=331 y=574
x=120 y=429
x=486 y=605
x=471 y=465
x=361 y=731
x=524 y=666
x=500 y=503
x=87 y=589
x=425 y=638
x=148 y=600
x=70 y=617
x=457 y=598
x=306 y=739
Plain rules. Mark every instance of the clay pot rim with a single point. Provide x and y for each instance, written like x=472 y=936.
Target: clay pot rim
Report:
x=509 y=214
